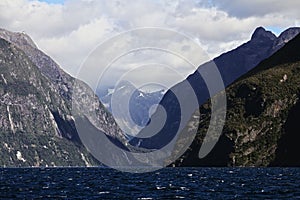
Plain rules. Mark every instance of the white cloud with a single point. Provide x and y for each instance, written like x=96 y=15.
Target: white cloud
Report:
x=70 y=50
x=245 y=8
x=69 y=31
x=38 y=18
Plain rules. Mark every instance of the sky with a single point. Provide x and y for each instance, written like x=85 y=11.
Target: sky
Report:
x=69 y=30
x=53 y=1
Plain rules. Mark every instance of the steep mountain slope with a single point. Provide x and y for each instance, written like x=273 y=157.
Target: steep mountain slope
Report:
x=263 y=109
x=31 y=116
x=231 y=66
x=62 y=81
x=46 y=65
x=37 y=125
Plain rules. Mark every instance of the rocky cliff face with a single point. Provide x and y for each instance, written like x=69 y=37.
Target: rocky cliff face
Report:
x=36 y=123
x=261 y=127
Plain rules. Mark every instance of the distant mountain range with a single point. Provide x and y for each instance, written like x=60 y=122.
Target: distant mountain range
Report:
x=137 y=102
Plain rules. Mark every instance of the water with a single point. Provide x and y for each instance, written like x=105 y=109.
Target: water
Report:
x=169 y=183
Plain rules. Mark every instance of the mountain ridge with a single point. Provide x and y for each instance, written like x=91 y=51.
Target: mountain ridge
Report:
x=231 y=66
x=260 y=128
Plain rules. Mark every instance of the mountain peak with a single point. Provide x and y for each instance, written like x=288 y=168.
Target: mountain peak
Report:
x=20 y=39
x=285 y=37
x=261 y=32
x=289 y=34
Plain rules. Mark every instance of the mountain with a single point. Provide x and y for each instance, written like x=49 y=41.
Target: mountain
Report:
x=37 y=126
x=139 y=104
x=231 y=66
x=261 y=128
x=242 y=59
x=50 y=69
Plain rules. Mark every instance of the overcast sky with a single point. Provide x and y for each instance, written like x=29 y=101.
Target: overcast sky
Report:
x=68 y=30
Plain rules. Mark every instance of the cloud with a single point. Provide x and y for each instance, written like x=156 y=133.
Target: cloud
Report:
x=245 y=8
x=39 y=18
x=68 y=32
x=70 y=50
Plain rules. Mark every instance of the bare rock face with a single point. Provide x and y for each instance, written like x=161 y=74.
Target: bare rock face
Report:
x=37 y=127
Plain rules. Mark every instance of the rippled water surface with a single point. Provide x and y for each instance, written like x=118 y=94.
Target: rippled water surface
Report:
x=169 y=183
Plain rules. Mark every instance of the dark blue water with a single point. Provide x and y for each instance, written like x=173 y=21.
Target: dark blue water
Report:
x=169 y=183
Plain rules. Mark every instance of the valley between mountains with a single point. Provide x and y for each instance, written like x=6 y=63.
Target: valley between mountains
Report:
x=37 y=126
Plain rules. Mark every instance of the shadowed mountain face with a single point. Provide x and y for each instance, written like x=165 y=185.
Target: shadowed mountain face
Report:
x=261 y=46
x=231 y=66
x=262 y=126
x=37 y=127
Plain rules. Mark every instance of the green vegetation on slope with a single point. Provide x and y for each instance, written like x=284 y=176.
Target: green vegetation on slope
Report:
x=258 y=128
